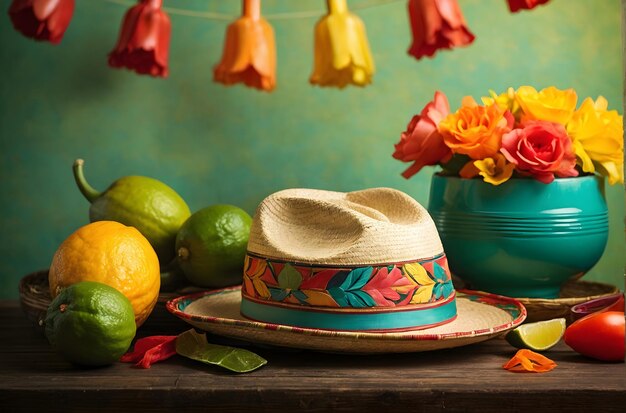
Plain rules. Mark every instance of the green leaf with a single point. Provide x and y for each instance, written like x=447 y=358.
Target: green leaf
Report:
x=455 y=164
x=194 y=346
x=357 y=278
x=289 y=278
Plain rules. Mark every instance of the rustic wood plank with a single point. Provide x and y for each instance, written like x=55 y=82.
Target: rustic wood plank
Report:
x=34 y=378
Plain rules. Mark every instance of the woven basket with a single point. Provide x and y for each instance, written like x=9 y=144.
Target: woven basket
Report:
x=35 y=297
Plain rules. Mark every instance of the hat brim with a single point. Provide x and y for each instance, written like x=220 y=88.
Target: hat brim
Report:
x=481 y=316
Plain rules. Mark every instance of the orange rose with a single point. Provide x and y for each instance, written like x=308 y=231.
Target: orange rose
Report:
x=476 y=131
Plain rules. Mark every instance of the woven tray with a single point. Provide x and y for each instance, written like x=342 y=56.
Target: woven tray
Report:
x=573 y=292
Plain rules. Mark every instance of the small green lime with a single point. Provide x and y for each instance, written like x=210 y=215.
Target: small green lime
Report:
x=211 y=245
x=538 y=336
x=90 y=324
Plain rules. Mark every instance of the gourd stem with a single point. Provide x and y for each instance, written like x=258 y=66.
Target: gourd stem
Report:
x=87 y=190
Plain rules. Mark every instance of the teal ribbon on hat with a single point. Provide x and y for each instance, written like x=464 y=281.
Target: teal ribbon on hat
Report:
x=408 y=318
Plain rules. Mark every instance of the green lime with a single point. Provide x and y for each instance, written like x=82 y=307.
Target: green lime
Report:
x=211 y=245
x=538 y=336
x=90 y=324
x=147 y=204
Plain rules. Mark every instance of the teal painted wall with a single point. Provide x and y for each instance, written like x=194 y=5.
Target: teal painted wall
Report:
x=215 y=144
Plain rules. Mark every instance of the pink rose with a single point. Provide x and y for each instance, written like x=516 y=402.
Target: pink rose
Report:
x=540 y=149
x=422 y=143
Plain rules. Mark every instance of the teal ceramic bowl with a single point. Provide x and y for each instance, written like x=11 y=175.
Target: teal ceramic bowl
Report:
x=522 y=238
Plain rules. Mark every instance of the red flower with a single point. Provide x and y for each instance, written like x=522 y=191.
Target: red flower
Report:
x=42 y=19
x=144 y=42
x=422 y=143
x=437 y=24
x=540 y=149
x=517 y=5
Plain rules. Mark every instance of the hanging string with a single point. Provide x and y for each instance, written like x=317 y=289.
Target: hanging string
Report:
x=273 y=16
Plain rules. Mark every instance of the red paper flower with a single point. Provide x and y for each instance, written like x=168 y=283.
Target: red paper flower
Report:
x=540 y=149
x=42 y=19
x=517 y=5
x=144 y=42
x=422 y=143
x=437 y=24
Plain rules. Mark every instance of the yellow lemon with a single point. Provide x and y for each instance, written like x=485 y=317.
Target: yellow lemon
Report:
x=110 y=253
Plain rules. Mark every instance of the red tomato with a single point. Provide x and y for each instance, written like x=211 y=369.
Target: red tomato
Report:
x=598 y=335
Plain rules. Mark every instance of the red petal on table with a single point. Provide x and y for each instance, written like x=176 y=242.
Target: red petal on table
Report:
x=149 y=350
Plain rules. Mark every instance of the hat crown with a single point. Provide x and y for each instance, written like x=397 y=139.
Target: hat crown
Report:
x=372 y=226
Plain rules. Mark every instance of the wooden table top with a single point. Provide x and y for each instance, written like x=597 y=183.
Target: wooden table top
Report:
x=34 y=379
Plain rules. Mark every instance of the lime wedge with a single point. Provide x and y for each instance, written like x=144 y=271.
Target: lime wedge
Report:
x=537 y=336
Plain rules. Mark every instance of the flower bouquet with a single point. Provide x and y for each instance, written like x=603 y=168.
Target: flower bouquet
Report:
x=519 y=133
x=519 y=204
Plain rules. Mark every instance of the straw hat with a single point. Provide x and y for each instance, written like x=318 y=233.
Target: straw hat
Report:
x=324 y=267
x=373 y=226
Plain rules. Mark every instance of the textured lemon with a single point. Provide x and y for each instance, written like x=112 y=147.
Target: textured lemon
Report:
x=111 y=253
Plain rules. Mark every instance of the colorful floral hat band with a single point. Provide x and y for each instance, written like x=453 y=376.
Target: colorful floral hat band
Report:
x=412 y=318
x=392 y=296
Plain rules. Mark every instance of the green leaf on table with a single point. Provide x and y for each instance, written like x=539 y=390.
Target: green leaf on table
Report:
x=193 y=345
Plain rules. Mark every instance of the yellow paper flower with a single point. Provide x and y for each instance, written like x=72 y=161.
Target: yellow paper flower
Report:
x=494 y=170
x=550 y=104
x=475 y=131
x=598 y=138
x=342 y=53
x=249 y=54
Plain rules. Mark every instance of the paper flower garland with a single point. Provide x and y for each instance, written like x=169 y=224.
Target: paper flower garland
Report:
x=144 y=42
x=249 y=54
x=342 y=53
x=437 y=24
x=44 y=20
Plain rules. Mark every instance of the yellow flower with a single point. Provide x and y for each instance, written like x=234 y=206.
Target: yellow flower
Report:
x=475 y=130
x=505 y=101
x=342 y=54
x=494 y=170
x=598 y=138
x=249 y=54
x=550 y=104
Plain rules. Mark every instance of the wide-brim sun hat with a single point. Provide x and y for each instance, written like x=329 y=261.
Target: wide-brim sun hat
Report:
x=347 y=272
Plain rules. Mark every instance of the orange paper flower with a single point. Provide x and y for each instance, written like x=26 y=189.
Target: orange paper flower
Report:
x=437 y=24
x=528 y=361
x=249 y=54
